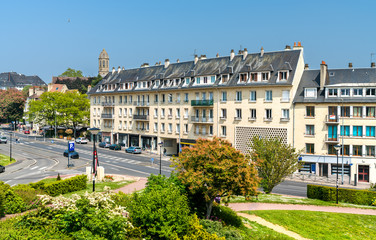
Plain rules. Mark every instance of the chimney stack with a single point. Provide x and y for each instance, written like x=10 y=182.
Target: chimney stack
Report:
x=299 y=46
x=232 y=54
x=123 y=68
x=306 y=67
x=288 y=47
x=217 y=55
x=167 y=63
x=373 y=65
x=145 y=65
x=323 y=74
x=196 y=59
x=119 y=69
x=350 y=65
x=262 y=52
x=245 y=53
x=178 y=61
x=113 y=70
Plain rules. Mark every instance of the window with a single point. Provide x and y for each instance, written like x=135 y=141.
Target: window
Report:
x=224 y=130
x=205 y=80
x=125 y=99
x=285 y=95
x=238 y=96
x=253 y=113
x=357 y=111
x=203 y=96
x=243 y=77
x=197 y=130
x=120 y=124
x=197 y=80
x=310 y=111
x=370 y=131
x=252 y=96
x=265 y=76
x=357 y=150
x=130 y=112
x=345 y=111
x=186 y=97
x=170 y=97
x=285 y=114
x=157 y=83
x=178 y=128
x=358 y=92
x=212 y=79
x=370 y=151
x=223 y=113
x=163 y=98
x=332 y=150
x=178 y=113
x=155 y=112
x=346 y=149
x=211 y=130
x=120 y=99
x=357 y=131
x=185 y=112
x=282 y=76
x=268 y=96
x=310 y=148
x=224 y=78
x=224 y=97
x=310 y=130
x=370 y=92
x=370 y=112
x=333 y=92
x=345 y=92
x=120 y=110
x=345 y=131
x=238 y=113
x=268 y=114
x=185 y=128
x=178 y=97
x=187 y=80
x=210 y=95
x=125 y=112
x=162 y=113
x=254 y=77
x=170 y=112
x=170 y=127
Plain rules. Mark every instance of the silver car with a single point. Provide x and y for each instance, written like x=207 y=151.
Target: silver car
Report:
x=137 y=150
x=3 y=139
x=81 y=140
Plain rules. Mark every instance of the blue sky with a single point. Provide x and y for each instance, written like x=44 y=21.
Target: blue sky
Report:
x=46 y=37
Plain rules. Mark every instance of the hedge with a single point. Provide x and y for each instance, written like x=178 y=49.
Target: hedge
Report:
x=65 y=186
x=361 y=197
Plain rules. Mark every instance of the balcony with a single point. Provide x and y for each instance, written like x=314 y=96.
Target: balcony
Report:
x=201 y=103
x=251 y=119
x=106 y=116
x=108 y=104
x=141 y=117
x=284 y=119
x=266 y=119
x=197 y=119
x=237 y=118
x=141 y=103
x=332 y=119
x=331 y=139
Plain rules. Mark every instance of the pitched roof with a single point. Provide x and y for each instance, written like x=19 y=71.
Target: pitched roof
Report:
x=13 y=79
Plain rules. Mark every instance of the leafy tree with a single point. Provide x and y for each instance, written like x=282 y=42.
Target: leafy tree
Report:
x=12 y=103
x=25 y=90
x=71 y=73
x=274 y=160
x=214 y=168
x=96 y=80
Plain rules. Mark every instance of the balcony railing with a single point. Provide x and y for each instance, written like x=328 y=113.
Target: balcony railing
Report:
x=141 y=117
x=108 y=104
x=332 y=119
x=106 y=115
x=201 y=119
x=141 y=103
x=331 y=139
x=202 y=103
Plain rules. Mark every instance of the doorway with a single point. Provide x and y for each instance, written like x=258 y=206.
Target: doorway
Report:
x=363 y=173
x=323 y=169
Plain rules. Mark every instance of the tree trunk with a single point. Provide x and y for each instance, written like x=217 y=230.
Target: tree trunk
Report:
x=74 y=130
x=209 y=206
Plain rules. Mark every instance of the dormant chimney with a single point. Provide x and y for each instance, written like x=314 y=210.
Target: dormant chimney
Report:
x=287 y=48
x=113 y=70
x=232 y=54
x=373 y=65
x=119 y=69
x=217 y=55
x=262 y=52
x=196 y=59
x=144 y=65
x=245 y=53
x=178 y=61
x=123 y=68
x=350 y=65
x=202 y=57
x=306 y=67
x=166 y=63
x=323 y=74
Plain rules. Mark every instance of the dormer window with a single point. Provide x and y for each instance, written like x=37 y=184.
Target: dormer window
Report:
x=358 y=92
x=370 y=92
x=254 y=77
x=332 y=92
x=310 y=93
x=205 y=80
x=282 y=76
x=243 y=77
x=197 y=80
x=224 y=78
x=177 y=82
x=187 y=80
x=212 y=79
x=157 y=83
x=265 y=76
x=345 y=92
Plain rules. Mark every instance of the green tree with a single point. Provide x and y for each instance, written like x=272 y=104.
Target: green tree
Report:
x=274 y=159
x=25 y=90
x=12 y=103
x=96 y=80
x=70 y=72
x=214 y=168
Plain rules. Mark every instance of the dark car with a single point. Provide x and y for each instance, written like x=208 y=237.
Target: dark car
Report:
x=133 y=150
x=115 y=147
x=73 y=155
x=2 y=168
x=27 y=132
x=104 y=145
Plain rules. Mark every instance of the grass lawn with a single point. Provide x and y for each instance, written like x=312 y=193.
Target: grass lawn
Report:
x=275 y=198
x=4 y=160
x=260 y=232
x=322 y=225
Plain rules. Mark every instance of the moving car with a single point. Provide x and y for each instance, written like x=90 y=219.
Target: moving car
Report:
x=115 y=147
x=104 y=145
x=133 y=150
x=81 y=140
x=3 y=139
x=74 y=154
x=2 y=168
x=27 y=132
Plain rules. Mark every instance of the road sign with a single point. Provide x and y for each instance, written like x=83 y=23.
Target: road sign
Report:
x=71 y=146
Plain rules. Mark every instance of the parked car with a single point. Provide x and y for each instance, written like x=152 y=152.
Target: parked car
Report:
x=104 y=145
x=3 y=139
x=81 y=140
x=2 y=168
x=74 y=154
x=115 y=147
x=133 y=150
x=27 y=132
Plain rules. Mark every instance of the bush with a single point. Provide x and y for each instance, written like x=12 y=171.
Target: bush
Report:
x=38 y=185
x=361 y=197
x=3 y=188
x=229 y=233
x=227 y=215
x=65 y=186
x=28 y=195
x=13 y=203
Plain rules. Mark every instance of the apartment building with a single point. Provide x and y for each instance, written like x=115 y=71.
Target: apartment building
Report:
x=234 y=97
x=337 y=107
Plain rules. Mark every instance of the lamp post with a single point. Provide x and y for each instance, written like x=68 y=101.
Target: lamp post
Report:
x=337 y=148
x=160 y=158
x=94 y=131
x=10 y=146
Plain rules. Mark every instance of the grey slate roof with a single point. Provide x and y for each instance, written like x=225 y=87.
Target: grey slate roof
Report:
x=13 y=79
x=344 y=77
x=270 y=61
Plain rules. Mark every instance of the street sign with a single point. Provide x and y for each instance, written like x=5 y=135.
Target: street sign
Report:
x=71 y=146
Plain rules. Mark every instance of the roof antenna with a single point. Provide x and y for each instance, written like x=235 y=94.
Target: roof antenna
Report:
x=372 y=54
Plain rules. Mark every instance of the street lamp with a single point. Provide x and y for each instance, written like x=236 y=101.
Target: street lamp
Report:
x=94 y=131
x=337 y=148
x=160 y=158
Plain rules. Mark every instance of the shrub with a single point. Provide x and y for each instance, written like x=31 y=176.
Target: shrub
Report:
x=29 y=195
x=58 y=178
x=196 y=231
x=227 y=215
x=3 y=188
x=362 y=197
x=13 y=203
x=65 y=186
x=38 y=185
x=229 y=233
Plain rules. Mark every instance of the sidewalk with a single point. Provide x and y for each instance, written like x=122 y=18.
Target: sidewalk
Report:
x=133 y=187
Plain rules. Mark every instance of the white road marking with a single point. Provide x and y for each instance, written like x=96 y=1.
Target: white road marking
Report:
x=42 y=168
x=33 y=168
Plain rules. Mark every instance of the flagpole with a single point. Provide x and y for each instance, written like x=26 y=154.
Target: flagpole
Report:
x=94 y=131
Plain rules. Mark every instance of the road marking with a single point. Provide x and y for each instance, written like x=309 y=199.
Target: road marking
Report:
x=7 y=181
x=33 y=168
x=42 y=168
